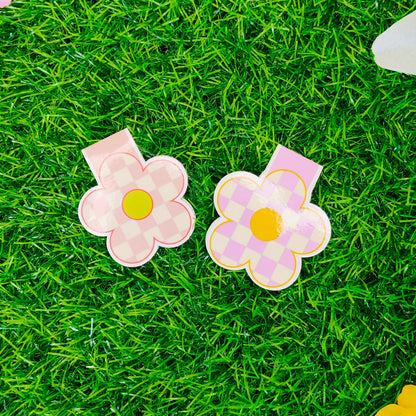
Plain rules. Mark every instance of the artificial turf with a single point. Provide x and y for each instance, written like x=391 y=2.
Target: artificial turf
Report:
x=217 y=85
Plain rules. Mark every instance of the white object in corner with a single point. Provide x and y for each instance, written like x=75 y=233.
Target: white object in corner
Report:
x=395 y=49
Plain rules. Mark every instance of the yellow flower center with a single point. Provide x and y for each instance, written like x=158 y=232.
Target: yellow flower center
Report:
x=266 y=224
x=137 y=204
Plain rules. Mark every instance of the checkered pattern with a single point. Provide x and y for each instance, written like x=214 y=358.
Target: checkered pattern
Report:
x=272 y=263
x=133 y=241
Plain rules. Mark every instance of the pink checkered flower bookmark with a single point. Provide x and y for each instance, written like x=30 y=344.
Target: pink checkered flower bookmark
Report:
x=137 y=204
x=267 y=223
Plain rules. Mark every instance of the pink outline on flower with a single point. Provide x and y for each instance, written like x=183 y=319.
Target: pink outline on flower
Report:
x=271 y=264
x=133 y=242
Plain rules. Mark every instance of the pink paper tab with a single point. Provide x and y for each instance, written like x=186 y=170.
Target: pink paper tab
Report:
x=286 y=159
x=137 y=204
x=267 y=223
x=120 y=142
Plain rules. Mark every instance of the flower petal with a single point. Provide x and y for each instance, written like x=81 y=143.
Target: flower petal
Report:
x=392 y=410
x=96 y=213
x=274 y=267
x=130 y=245
x=165 y=178
x=285 y=189
x=120 y=171
x=227 y=243
x=308 y=230
x=237 y=198
x=173 y=222
x=407 y=397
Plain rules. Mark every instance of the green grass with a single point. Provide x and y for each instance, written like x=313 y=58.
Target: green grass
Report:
x=217 y=85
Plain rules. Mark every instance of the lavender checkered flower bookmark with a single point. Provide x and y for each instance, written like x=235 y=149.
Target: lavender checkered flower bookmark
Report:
x=267 y=223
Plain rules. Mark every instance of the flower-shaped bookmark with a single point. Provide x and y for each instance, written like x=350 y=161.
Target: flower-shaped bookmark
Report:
x=267 y=223
x=137 y=205
x=406 y=404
